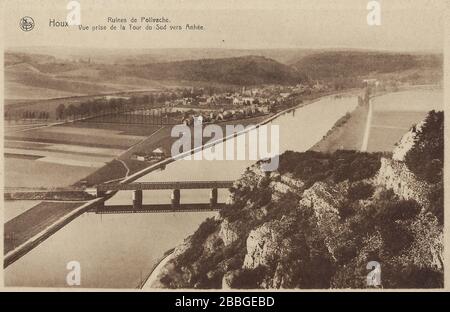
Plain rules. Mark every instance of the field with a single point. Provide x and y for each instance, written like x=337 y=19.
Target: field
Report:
x=66 y=134
x=395 y=113
x=387 y=128
x=32 y=221
x=347 y=133
x=31 y=79
x=34 y=174
x=123 y=128
x=13 y=208
x=62 y=155
x=138 y=118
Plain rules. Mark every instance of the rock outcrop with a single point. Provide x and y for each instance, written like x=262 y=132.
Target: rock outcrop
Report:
x=396 y=176
x=406 y=142
x=228 y=233
x=263 y=245
x=322 y=199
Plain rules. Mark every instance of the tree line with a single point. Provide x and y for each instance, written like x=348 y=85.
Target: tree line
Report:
x=119 y=105
x=27 y=114
x=104 y=106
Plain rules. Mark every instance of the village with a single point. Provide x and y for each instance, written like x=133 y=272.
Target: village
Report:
x=187 y=106
x=224 y=106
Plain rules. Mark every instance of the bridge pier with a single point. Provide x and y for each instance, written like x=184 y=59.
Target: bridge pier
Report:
x=213 y=198
x=137 y=199
x=176 y=198
x=107 y=190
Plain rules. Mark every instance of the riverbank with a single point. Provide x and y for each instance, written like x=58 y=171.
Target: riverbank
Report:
x=347 y=133
x=353 y=131
x=152 y=278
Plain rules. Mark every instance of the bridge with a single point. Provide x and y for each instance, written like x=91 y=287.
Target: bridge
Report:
x=103 y=190
x=23 y=238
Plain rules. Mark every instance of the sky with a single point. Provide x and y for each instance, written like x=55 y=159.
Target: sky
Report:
x=405 y=25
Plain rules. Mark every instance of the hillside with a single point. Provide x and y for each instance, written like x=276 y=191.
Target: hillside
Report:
x=356 y=63
x=35 y=76
x=160 y=55
x=248 y=70
x=319 y=220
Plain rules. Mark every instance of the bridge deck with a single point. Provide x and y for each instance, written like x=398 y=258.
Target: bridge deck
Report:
x=158 y=208
x=165 y=185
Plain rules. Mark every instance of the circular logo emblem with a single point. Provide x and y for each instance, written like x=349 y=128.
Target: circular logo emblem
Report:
x=26 y=23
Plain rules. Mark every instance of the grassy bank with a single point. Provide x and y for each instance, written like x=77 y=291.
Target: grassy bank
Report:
x=347 y=133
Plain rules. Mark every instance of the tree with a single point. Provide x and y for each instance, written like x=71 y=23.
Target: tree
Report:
x=71 y=111
x=360 y=190
x=60 y=111
x=426 y=157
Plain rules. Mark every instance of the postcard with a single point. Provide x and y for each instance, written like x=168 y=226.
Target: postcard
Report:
x=212 y=145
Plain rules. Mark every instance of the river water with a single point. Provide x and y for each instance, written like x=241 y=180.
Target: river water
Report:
x=118 y=251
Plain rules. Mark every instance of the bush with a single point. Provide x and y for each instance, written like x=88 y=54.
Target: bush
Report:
x=398 y=210
x=346 y=210
x=249 y=278
x=192 y=254
x=426 y=157
x=436 y=198
x=360 y=190
x=206 y=228
x=411 y=276
x=395 y=237
x=341 y=165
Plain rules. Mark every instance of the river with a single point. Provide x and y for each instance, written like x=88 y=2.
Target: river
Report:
x=118 y=251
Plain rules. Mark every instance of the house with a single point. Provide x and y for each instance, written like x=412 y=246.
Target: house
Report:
x=248 y=100
x=237 y=101
x=371 y=82
x=264 y=109
x=157 y=154
x=219 y=117
x=187 y=120
x=319 y=86
x=138 y=156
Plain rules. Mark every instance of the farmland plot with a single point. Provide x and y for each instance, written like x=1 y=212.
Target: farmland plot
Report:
x=62 y=155
x=395 y=113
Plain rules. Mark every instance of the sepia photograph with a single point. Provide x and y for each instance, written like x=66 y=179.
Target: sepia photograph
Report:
x=211 y=145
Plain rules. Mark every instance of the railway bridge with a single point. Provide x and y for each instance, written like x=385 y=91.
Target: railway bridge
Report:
x=103 y=190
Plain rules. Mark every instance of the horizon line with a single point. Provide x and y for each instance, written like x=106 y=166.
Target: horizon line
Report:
x=430 y=50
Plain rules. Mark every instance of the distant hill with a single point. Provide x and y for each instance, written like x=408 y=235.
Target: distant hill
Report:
x=37 y=76
x=248 y=70
x=357 y=63
x=32 y=74
x=155 y=55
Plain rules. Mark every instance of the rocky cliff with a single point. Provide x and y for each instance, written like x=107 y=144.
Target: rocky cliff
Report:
x=316 y=223
x=395 y=175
